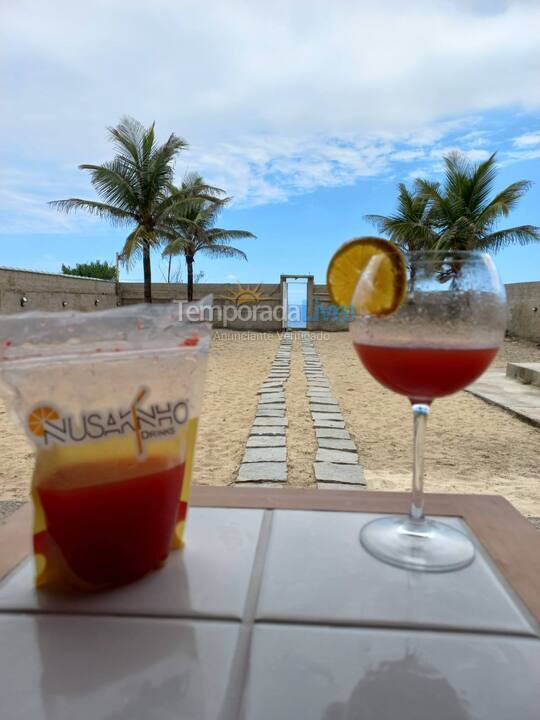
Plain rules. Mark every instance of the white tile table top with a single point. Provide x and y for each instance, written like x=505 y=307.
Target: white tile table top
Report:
x=317 y=571
x=86 y=668
x=209 y=577
x=366 y=674
x=267 y=591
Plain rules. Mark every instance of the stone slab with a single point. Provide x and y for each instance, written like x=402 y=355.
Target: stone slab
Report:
x=270 y=421
x=336 y=424
x=269 y=412
x=520 y=400
x=330 y=472
x=336 y=443
x=324 y=407
x=314 y=391
x=263 y=471
x=328 y=432
x=267 y=430
x=327 y=416
x=259 y=441
x=342 y=457
x=322 y=400
x=265 y=454
x=271 y=398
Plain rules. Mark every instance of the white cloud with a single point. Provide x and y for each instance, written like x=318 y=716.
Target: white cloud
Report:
x=472 y=154
x=527 y=140
x=408 y=155
x=275 y=98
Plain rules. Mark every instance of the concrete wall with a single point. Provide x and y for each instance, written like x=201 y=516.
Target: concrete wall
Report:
x=524 y=309
x=270 y=305
x=45 y=291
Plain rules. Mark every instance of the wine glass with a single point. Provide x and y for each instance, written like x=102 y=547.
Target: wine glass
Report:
x=443 y=336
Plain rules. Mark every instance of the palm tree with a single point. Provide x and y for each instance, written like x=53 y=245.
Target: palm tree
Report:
x=459 y=215
x=135 y=189
x=464 y=212
x=192 y=227
x=410 y=227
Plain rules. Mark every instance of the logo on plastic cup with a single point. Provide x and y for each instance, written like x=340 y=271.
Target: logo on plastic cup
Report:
x=147 y=421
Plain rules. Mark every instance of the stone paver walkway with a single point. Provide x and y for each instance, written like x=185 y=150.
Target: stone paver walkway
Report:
x=265 y=456
x=336 y=462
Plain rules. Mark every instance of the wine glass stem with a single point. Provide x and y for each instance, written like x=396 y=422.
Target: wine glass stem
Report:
x=420 y=416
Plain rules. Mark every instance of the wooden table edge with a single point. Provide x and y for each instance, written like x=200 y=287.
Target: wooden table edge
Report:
x=510 y=540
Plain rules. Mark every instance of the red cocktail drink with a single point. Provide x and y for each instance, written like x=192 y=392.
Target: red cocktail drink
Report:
x=424 y=373
x=113 y=522
x=445 y=331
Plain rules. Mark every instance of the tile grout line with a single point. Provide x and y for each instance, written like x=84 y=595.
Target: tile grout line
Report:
x=336 y=462
x=240 y=663
x=265 y=455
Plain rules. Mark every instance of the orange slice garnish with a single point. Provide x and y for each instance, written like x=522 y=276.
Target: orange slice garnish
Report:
x=38 y=417
x=368 y=274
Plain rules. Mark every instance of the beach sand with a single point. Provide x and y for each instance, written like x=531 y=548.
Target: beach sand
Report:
x=471 y=447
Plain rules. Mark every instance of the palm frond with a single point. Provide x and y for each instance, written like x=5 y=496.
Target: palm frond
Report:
x=508 y=198
x=126 y=138
x=117 y=216
x=133 y=247
x=176 y=246
x=228 y=235
x=223 y=251
x=480 y=185
x=520 y=235
x=116 y=183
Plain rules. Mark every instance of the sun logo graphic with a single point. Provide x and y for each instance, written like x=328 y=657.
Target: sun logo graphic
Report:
x=39 y=417
x=245 y=294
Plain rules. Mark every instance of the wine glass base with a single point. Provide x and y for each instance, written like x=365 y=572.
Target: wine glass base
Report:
x=426 y=545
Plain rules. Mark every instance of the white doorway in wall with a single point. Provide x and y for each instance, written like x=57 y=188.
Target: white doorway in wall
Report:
x=295 y=305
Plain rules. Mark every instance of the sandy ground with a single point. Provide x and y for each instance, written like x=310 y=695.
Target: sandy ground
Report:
x=301 y=442
x=471 y=447
x=237 y=365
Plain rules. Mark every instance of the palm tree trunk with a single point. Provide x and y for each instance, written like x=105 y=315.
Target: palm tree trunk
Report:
x=169 y=269
x=147 y=272
x=189 y=263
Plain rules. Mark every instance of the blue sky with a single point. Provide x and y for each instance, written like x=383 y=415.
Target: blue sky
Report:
x=308 y=114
